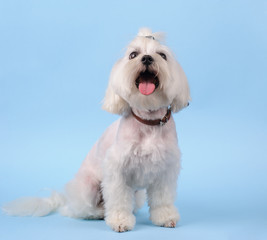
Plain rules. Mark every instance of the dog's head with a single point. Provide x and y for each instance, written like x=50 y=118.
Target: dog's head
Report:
x=147 y=78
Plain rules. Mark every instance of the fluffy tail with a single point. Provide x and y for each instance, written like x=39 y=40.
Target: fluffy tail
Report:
x=32 y=206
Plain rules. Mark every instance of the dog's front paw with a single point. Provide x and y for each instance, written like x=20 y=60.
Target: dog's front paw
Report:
x=170 y=224
x=120 y=221
x=164 y=216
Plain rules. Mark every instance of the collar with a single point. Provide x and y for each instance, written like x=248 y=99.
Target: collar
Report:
x=154 y=122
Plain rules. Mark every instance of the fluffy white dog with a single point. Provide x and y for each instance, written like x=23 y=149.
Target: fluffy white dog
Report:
x=138 y=155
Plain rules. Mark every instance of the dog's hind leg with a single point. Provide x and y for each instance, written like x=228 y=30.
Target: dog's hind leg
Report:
x=83 y=199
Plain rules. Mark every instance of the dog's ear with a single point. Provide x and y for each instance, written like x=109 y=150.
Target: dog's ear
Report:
x=113 y=103
x=180 y=89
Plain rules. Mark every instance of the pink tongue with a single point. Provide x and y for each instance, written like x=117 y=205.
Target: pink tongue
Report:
x=146 y=88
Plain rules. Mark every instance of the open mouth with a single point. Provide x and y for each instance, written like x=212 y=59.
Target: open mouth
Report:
x=147 y=82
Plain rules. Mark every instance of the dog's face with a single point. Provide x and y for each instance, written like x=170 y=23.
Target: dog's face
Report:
x=147 y=78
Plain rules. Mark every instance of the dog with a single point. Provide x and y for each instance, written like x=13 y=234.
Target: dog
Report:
x=137 y=158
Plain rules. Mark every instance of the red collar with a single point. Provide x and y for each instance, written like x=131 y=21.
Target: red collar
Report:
x=155 y=122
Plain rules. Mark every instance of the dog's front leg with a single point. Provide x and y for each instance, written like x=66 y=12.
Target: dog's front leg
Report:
x=161 y=196
x=118 y=198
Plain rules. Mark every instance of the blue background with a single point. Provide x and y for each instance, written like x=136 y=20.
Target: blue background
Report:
x=55 y=60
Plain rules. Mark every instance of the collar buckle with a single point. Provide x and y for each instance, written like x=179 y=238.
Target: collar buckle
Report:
x=164 y=120
x=162 y=123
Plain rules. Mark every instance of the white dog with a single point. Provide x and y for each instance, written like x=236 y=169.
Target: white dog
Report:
x=138 y=155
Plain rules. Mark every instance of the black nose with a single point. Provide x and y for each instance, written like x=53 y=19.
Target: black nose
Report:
x=147 y=60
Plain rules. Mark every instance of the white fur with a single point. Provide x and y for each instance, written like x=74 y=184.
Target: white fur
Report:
x=131 y=158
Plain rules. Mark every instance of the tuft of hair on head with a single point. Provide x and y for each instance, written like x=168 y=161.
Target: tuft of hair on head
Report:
x=147 y=32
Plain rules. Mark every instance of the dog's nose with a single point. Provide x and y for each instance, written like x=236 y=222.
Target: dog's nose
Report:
x=147 y=60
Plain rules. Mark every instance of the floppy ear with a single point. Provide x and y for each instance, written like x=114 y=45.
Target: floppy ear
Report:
x=182 y=93
x=113 y=103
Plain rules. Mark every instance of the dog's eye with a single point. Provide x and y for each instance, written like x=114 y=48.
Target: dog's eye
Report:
x=133 y=55
x=163 y=55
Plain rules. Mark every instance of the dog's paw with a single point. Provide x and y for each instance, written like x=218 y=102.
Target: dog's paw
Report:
x=170 y=224
x=165 y=216
x=120 y=221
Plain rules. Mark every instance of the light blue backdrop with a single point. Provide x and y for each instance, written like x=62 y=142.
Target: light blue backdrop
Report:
x=55 y=60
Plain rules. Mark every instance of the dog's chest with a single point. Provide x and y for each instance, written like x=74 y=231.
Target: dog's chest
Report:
x=146 y=159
